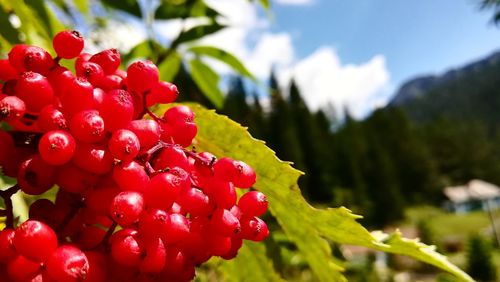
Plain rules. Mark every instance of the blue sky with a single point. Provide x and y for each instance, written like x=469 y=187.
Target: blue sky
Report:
x=347 y=53
x=416 y=37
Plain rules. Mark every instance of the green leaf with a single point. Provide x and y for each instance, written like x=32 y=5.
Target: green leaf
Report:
x=170 y=66
x=208 y=81
x=46 y=16
x=265 y=4
x=36 y=32
x=83 y=6
x=306 y=226
x=196 y=32
x=224 y=57
x=169 y=9
x=146 y=49
x=128 y=6
x=256 y=265
x=7 y=31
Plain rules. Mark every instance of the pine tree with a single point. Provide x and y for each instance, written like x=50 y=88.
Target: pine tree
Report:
x=313 y=147
x=235 y=103
x=281 y=127
x=479 y=259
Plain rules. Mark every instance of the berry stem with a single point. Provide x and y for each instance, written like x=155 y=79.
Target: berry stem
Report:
x=7 y=199
x=25 y=139
x=111 y=230
x=148 y=111
x=71 y=214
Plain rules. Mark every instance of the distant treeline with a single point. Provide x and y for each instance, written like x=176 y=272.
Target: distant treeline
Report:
x=376 y=166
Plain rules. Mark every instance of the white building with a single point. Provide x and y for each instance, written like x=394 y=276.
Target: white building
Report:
x=475 y=195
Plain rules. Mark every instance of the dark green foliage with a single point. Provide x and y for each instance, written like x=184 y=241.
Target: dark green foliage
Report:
x=282 y=131
x=479 y=259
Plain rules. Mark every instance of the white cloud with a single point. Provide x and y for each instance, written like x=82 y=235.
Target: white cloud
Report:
x=323 y=79
x=294 y=2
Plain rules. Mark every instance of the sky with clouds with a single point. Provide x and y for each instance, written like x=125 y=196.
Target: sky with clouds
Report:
x=352 y=54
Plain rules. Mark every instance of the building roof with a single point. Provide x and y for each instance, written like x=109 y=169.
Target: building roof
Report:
x=474 y=190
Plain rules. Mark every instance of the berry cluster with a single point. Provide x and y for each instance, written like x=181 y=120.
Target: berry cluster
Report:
x=133 y=204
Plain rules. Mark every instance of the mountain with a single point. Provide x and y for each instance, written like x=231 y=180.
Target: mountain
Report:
x=471 y=92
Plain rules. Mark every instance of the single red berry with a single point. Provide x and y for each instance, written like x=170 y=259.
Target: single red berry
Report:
x=126 y=208
x=124 y=145
x=253 y=203
x=91 y=71
x=35 y=90
x=35 y=240
x=72 y=179
x=51 y=118
x=254 y=229
x=154 y=256
x=87 y=126
x=245 y=176
x=22 y=269
x=7 y=249
x=108 y=59
x=179 y=114
x=127 y=250
x=131 y=176
x=142 y=76
x=60 y=77
x=57 y=147
x=78 y=96
x=225 y=223
x=148 y=131
x=68 y=264
x=36 y=176
x=93 y=158
x=30 y=58
x=68 y=44
x=7 y=72
x=162 y=93
x=117 y=109
x=178 y=229
x=11 y=108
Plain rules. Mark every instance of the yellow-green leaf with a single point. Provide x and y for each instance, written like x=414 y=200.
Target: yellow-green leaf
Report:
x=303 y=224
x=208 y=81
x=170 y=66
x=224 y=57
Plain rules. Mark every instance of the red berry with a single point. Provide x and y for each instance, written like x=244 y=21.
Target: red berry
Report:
x=124 y=145
x=117 y=109
x=78 y=96
x=23 y=269
x=126 y=208
x=57 y=147
x=162 y=93
x=68 y=44
x=35 y=176
x=91 y=71
x=51 y=118
x=68 y=264
x=93 y=158
x=253 y=203
x=131 y=176
x=11 y=108
x=35 y=90
x=7 y=249
x=87 y=126
x=148 y=131
x=7 y=72
x=109 y=60
x=35 y=240
x=126 y=249
x=142 y=76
